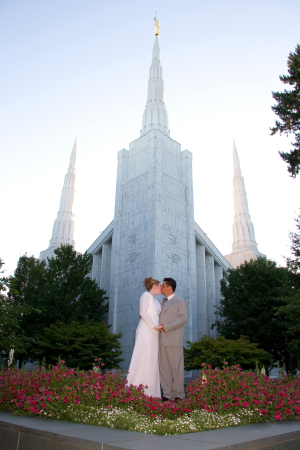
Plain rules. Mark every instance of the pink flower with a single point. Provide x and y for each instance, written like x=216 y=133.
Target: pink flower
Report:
x=288 y=412
x=96 y=359
x=49 y=399
x=246 y=404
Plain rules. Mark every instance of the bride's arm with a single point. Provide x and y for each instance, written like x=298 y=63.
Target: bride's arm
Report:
x=144 y=304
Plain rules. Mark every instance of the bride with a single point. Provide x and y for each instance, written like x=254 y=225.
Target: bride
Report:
x=144 y=368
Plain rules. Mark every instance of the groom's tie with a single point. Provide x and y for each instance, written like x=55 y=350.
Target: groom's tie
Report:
x=163 y=302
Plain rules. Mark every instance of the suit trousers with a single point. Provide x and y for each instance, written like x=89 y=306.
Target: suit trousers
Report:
x=171 y=370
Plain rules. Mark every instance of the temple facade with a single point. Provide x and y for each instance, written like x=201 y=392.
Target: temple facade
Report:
x=153 y=232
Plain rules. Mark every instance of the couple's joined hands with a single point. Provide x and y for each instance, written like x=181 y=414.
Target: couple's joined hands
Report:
x=159 y=328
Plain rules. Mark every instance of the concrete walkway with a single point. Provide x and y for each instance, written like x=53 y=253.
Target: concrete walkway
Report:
x=35 y=433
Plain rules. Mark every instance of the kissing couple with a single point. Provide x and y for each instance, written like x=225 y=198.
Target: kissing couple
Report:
x=157 y=358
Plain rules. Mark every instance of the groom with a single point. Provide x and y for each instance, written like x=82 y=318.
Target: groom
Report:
x=172 y=319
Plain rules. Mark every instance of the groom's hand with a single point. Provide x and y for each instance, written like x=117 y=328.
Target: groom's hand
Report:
x=162 y=328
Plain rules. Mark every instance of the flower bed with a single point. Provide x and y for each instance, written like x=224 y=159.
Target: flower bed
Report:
x=218 y=399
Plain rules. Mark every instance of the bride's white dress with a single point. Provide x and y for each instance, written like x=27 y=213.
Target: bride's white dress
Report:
x=144 y=367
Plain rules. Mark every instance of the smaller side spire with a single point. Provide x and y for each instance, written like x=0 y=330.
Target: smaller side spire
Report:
x=236 y=160
x=244 y=246
x=64 y=225
x=73 y=157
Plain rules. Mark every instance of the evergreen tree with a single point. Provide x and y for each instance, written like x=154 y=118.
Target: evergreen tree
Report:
x=250 y=303
x=291 y=304
x=291 y=309
x=70 y=294
x=288 y=111
x=60 y=292
x=11 y=316
x=294 y=263
x=27 y=291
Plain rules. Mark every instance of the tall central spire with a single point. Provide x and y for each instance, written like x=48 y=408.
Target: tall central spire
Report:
x=155 y=116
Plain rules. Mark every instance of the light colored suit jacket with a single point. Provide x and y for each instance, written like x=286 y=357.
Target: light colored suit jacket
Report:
x=173 y=317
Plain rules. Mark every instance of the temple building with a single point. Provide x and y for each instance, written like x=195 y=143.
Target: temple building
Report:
x=244 y=247
x=153 y=232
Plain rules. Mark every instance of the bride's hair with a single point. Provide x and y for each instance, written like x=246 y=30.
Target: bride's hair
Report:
x=150 y=282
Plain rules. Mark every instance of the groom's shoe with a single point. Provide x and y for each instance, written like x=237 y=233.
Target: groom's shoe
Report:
x=165 y=399
x=177 y=399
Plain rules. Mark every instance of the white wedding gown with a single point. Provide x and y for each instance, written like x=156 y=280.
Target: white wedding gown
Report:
x=144 y=367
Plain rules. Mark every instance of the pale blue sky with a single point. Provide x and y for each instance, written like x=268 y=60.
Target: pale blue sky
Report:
x=80 y=68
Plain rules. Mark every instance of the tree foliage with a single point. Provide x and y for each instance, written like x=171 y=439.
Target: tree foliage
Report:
x=11 y=315
x=214 y=352
x=291 y=308
x=291 y=304
x=26 y=292
x=250 y=303
x=288 y=111
x=70 y=294
x=76 y=343
x=293 y=263
x=61 y=292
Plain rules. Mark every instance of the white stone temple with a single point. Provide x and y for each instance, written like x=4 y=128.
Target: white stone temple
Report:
x=244 y=247
x=63 y=228
x=153 y=232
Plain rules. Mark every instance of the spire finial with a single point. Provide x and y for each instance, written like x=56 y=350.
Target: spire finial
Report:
x=156 y=26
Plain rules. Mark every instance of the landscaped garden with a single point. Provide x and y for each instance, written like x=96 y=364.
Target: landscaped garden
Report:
x=218 y=398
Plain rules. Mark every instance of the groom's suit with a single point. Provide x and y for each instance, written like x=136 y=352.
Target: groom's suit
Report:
x=171 y=367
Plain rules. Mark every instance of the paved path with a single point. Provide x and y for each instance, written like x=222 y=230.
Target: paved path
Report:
x=35 y=433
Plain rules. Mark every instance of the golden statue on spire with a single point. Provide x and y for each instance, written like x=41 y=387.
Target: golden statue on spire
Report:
x=156 y=27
